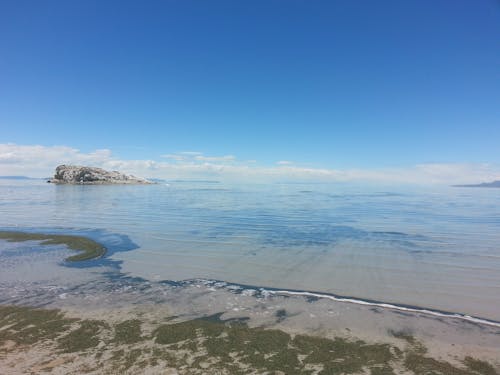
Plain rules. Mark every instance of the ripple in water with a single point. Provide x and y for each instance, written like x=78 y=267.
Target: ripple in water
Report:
x=438 y=249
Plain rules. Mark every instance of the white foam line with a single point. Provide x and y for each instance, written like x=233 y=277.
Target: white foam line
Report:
x=388 y=306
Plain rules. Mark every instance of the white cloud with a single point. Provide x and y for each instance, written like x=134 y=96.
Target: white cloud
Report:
x=40 y=161
x=176 y=157
x=284 y=162
x=226 y=158
x=195 y=156
x=191 y=153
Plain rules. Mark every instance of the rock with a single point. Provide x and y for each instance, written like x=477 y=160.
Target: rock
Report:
x=74 y=174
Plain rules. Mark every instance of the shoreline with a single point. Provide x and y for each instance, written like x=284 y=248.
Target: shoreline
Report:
x=88 y=249
x=110 y=297
x=444 y=339
x=348 y=299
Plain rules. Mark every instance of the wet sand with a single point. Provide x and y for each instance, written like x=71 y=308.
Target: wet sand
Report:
x=446 y=341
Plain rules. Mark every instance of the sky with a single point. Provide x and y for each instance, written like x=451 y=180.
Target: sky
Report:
x=300 y=88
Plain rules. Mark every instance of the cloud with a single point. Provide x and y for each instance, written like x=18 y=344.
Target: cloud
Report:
x=195 y=156
x=284 y=162
x=37 y=160
x=40 y=161
x=191 y=153
x=226 y=158
x=176 y=157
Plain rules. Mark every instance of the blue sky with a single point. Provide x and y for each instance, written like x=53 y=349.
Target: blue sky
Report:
x=324 y=84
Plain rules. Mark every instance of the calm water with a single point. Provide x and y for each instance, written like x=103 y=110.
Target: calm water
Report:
x=436 y=248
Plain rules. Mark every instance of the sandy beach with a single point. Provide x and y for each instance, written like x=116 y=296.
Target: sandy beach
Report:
x=442 y=344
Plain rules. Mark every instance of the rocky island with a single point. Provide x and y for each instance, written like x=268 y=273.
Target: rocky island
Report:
x=80 y=175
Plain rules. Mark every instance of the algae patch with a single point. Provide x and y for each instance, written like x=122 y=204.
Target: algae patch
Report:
x=87 y=248
x=86 y=336
x=209 y=345
x=128 y=332
x=26 y=326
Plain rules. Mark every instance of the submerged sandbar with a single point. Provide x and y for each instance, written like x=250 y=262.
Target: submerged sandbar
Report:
x=87 y=248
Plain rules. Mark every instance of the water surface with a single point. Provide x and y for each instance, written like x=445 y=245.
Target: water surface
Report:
x=434 y=247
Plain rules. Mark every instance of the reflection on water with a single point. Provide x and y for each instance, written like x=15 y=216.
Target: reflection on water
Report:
x=438 y=248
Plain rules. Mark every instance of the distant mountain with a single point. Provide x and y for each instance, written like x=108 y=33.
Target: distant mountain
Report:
x=494 y=184
x=17 y=178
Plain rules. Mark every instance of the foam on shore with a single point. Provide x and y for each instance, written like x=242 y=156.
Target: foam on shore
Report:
x=391 y=306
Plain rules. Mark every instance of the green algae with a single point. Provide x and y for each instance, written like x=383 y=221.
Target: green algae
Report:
x=415 y=345
x=174 y=333
x=214 y=346
x=384 y=370
x=262 y=349
x=479 y=366
x=340 y=355
x=26 y=326
x=403 y=335
x=87 y=248
x=128 y=332
x=86 y=336
x=422 y=365
x=125 y=359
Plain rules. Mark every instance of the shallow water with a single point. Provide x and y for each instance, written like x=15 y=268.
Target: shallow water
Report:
x=433 y=248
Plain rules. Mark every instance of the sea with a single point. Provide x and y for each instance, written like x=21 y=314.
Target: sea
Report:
x=430 y=248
